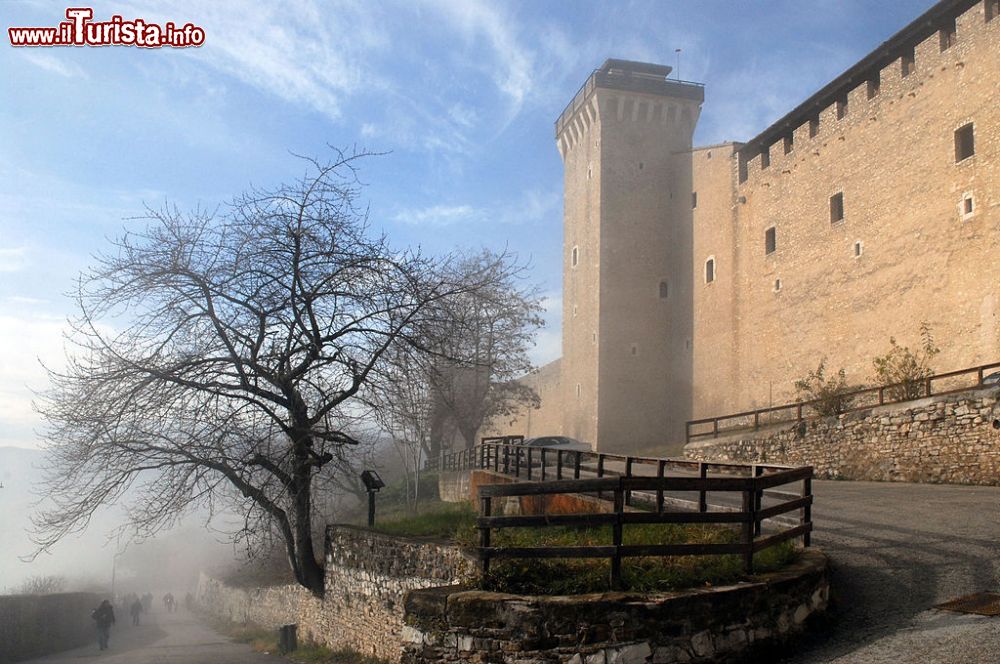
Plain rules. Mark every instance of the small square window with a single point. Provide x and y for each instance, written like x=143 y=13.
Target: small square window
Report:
x=694 y=199
x=709 y=270
x=967 y=207
x=770 y=241
x=842 y=107
x=906 y=62
x=837 y=208
x=965 y=142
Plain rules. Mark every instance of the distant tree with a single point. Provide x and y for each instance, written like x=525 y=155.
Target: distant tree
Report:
x=42 y=585
x=828 y=396
x=224 y=359
x=482 y=339
x=906 y=370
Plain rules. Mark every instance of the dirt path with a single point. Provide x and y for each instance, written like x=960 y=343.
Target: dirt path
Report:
x=179 y=638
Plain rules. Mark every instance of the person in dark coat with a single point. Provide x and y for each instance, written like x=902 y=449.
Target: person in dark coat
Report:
x=104 y=616
x=136 y=611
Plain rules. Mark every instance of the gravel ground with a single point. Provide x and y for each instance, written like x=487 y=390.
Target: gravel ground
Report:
x=897 y=550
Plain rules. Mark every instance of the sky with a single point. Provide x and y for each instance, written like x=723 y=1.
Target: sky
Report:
x=460 y=95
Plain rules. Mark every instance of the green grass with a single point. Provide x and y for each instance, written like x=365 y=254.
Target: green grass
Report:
x=452 y=521
x=567 y=576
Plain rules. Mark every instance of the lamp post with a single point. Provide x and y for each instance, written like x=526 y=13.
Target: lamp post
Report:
x=372 y=484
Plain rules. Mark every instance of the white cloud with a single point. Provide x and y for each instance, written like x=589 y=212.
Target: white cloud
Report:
x=13 y=260
x=438 y=215
x=50 y=62
x=534 y=206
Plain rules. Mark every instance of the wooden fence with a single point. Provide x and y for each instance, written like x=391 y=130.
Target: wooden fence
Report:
x=617 y=478
x=869 y=397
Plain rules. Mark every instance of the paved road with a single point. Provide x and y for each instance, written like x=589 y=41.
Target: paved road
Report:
x=177 y=638
x=897 y=550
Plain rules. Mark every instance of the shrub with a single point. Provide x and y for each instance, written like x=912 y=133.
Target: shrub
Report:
x=905 y=370
x=829 y=396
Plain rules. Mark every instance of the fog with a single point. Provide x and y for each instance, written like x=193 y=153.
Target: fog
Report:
x=93 y=560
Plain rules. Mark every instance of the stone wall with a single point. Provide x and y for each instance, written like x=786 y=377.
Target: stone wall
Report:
x=938 y=439
x=35 y=625
x=446 y=625
x=367 y=575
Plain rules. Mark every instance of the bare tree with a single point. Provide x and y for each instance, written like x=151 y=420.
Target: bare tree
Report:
x=42 y=585
x=220 y=358
x=482 y=342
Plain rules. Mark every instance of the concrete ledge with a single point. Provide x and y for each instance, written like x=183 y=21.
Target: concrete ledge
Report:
x=697 y=625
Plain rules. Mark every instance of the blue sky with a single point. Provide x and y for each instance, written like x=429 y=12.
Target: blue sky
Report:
x=462 y=94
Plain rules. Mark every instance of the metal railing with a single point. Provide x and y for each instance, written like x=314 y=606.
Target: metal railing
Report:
x=861 y=399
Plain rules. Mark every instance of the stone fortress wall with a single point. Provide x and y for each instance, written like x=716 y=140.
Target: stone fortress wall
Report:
x=917 y=242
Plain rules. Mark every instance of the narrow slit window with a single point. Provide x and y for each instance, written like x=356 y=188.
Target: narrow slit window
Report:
x=777 y=285
x=575 y=259
x=709 y=270
x=664 y=290
x=906 y=62
x=946 y=35
x=694 y=199
x=837 y=208
x=859 y=249
x=965 y=142
x=770 y=241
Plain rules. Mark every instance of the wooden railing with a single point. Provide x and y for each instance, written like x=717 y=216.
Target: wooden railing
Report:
x=623 y=478
x=748 y=518
x=869 y=397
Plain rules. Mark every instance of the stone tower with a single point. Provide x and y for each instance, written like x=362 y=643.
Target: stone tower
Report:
x=625 y=141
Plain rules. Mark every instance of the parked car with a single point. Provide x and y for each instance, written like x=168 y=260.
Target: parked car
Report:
x=558 y=443
x=992 y=379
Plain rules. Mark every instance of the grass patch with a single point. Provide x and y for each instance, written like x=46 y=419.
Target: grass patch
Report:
x=310 y=654
x=456 y=521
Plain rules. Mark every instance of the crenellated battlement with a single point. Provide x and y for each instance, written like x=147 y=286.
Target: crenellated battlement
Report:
x=894 y=72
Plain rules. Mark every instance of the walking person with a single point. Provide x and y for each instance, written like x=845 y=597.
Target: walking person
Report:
x=104 y=616
x=136 y=611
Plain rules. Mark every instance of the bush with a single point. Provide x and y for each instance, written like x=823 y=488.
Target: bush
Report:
x=906 y=370
x=829 y=396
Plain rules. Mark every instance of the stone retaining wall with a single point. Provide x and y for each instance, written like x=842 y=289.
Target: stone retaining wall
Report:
x=367 y=575
x=947 y=438
x=701 y=625
x=35 y=625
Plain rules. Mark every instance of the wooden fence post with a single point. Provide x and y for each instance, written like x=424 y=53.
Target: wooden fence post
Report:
x=600 y=471
x=757 y=499
x=628 y=473
x=702 y=495
x=616 y=560
x=543 y=463
x=746 y=534
x=576 y=466
x=807 y=509
x=484 y=534
x=517 y=460
x=506 y=459
x=661 y=466
x=559 y=464
x=529 y=463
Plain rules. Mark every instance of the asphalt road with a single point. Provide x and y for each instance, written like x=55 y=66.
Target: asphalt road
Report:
x=897 y=550
x=177 y=638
